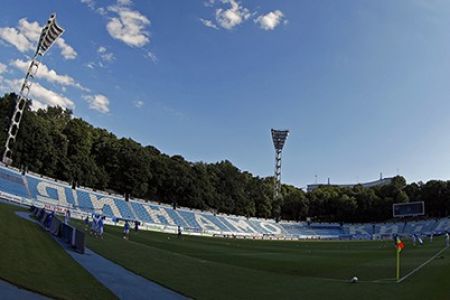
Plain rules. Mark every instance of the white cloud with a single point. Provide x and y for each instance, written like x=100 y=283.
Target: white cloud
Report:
x=102 y=11
x=3 y=68
x=51 y=98
x=32 y=31
x=208 y=23
x=36 y=105
x=66 y=51
x=26 y=36
x=41 y=96
x=124 y=2
x=271 y=20
x=233 y=16
x=129 y=26
x=209 y=3
x=90 y=65
x=15 y=38
x=48 y=74
x=3 y=88
x=89 y=3
x=152 y=57
x=108 y=56
x=98 y=102
x=124 y=23
x=231 y=13
x=105 y=55
x=138 y=103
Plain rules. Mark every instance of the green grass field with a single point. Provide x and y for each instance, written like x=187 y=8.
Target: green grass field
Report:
x=214 y=268
x=31 y=259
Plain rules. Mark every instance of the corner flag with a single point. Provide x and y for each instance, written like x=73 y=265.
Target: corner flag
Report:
x=399 y=245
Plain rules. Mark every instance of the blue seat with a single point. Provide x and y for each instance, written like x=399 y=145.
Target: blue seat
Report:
x=189 y=219
x=84 y=202
x=124 y=209
x=176 y=217
x=12 y=183
x=141 y=213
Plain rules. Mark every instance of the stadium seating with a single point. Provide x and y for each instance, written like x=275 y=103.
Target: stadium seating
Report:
x=13 y=183
x=176 y=218
x=140 y=213
x=49 y=193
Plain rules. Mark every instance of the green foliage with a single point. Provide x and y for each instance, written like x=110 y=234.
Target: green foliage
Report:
x=7 y=104
x=54 y=143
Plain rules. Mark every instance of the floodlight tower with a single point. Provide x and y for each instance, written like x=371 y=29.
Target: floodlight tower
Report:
x=279 y=138
x=49 y=34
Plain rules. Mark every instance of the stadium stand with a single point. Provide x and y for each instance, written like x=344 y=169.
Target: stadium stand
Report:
x=32 y=189
x=13 y=183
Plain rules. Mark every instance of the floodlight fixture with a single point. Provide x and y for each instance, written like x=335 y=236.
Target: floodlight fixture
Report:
x=279 y=139
x=49 y=34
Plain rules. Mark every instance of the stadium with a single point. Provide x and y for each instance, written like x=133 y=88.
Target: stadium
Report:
x=85 y=214
x=34 y=190
x=231 y=256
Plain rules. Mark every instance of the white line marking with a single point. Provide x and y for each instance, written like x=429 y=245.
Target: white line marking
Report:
x=421 y=266
x=378 y=281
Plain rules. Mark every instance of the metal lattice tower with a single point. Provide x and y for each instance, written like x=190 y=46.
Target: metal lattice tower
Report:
x=49 y=35
x=279 y=138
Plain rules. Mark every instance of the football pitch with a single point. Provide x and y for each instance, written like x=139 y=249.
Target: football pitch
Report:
x=215 y=268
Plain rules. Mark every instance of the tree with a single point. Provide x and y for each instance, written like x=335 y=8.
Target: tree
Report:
x=295 y=204
x=54 y=143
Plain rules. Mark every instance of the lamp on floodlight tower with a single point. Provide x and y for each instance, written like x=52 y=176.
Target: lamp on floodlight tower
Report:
x=279 y=138
x=49 y=34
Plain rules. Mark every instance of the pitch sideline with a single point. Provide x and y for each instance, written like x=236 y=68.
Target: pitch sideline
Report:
x=421 y=266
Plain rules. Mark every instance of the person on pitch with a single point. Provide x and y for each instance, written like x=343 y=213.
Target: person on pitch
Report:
x=179 y=231
x=126 y=230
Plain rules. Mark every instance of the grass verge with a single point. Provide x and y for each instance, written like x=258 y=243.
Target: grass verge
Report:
x=31 y=259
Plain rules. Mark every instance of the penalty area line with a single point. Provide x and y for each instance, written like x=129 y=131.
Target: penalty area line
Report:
x=422 y=265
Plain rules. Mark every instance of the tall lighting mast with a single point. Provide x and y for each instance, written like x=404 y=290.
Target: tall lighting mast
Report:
x=49 y=34
x=279 y=138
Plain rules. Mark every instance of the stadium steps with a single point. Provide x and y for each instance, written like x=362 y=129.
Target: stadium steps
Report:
x=141 y=214
x=124 y=209
x=176 y=218
x=159 y=216
x=133 y=213
x=25 y=182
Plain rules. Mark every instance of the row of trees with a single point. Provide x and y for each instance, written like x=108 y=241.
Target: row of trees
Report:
x=54 y=143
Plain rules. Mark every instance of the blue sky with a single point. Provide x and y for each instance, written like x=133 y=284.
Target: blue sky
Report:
x=362 y=85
